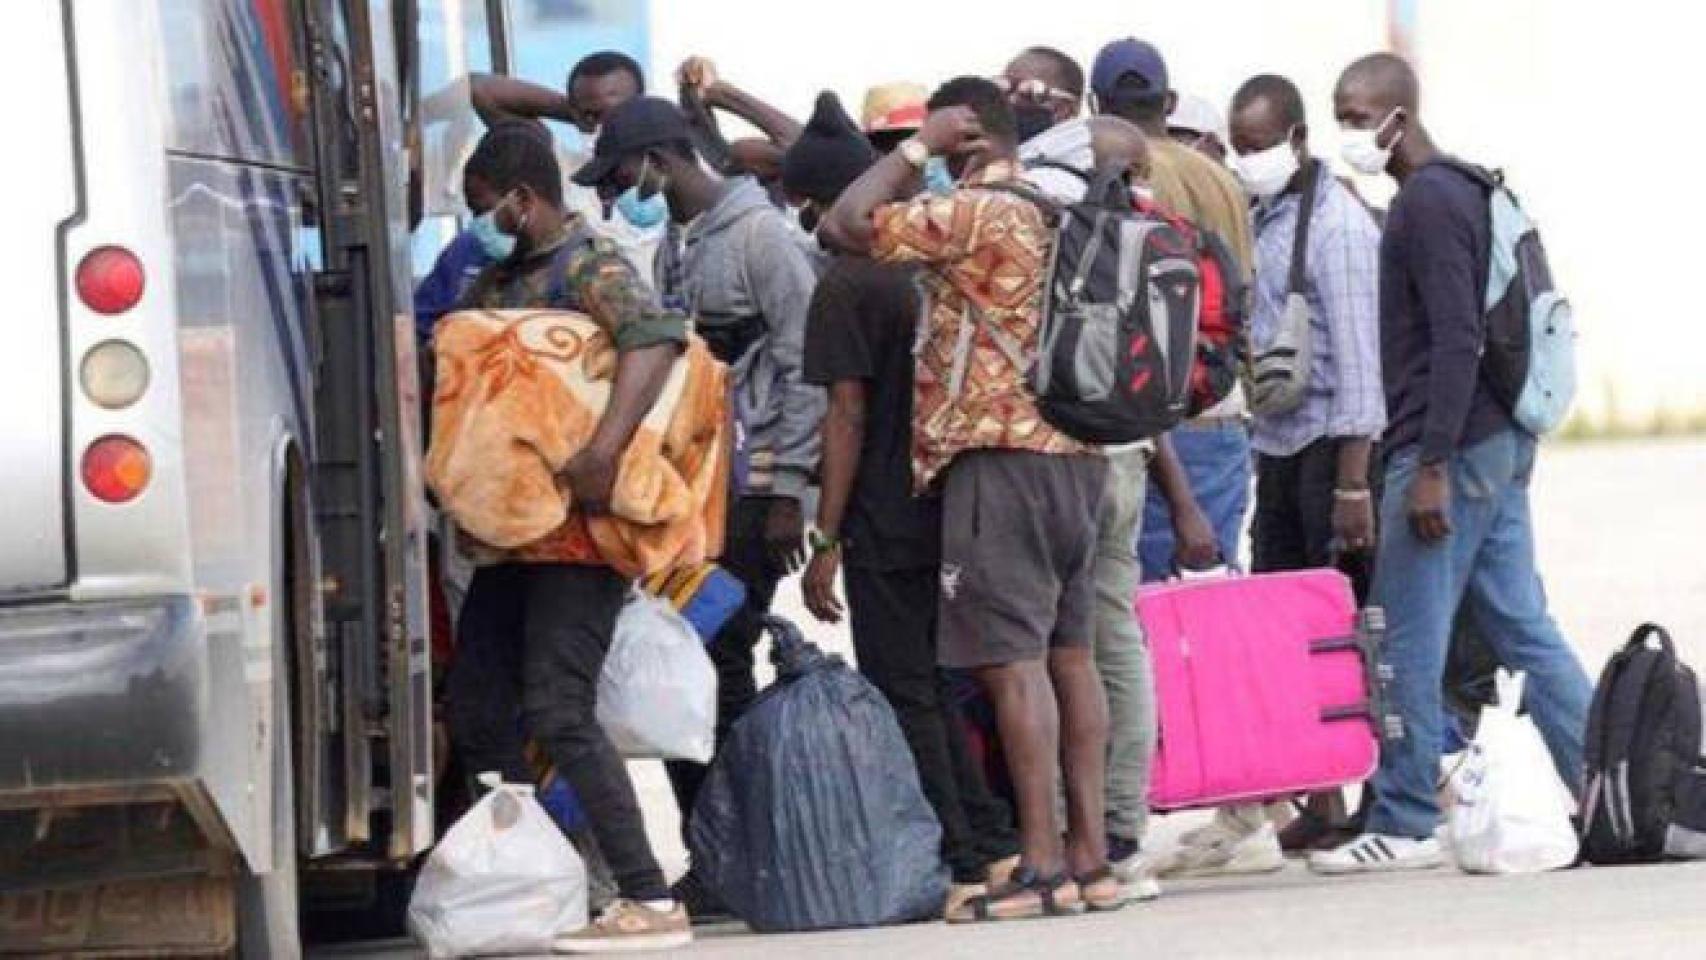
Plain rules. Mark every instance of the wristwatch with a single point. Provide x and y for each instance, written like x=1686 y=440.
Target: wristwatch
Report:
x=821 y=542
x=915 y=152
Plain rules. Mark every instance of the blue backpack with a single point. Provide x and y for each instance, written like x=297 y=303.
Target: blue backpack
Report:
x=1529 y=354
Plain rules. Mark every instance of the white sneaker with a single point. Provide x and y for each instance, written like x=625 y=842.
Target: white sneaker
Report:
x=1216 y=851
x=1136 y=878
x=1377 y=853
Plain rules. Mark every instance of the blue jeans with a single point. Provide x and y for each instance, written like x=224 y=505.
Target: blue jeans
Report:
x=1488 y=563
x=1217 y=460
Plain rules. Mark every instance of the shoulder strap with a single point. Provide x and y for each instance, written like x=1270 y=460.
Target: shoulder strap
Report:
x=1300 y=238
x=1624 y=713
x=1489 y=180
x=1051 y=210
x=1058 y=165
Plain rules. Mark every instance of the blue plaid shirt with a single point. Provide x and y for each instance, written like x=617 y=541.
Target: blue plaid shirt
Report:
x=1342 y=285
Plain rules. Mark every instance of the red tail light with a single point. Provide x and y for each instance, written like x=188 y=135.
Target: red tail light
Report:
x=116 y=469
x=110 y=280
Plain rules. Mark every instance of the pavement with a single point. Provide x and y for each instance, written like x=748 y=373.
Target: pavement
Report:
x=1618 y=531
x=1649 y=912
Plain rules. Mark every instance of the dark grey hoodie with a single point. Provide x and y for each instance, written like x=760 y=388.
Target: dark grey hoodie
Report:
x=743 y=274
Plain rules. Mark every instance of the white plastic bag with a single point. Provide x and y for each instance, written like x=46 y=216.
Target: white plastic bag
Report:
x=657 y=696
x=504 y=880
x=1512 y=813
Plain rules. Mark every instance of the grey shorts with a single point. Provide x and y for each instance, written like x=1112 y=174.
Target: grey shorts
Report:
x=1018 y=547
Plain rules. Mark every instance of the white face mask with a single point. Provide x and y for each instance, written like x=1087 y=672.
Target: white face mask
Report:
x=1265 y=173
x=1362 y=150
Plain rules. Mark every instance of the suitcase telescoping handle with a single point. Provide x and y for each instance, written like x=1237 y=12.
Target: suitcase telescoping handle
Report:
x=1366 y=642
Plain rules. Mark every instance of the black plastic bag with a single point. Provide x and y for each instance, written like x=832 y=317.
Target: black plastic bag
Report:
x=812 y=817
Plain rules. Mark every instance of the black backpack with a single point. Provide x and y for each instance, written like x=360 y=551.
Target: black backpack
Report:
x=1117 y=344
x=1644 y=786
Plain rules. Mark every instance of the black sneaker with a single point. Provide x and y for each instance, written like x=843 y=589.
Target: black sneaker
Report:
x=702 y=904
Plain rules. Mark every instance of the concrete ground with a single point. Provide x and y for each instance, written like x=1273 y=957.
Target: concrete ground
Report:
x=1650 y=912
x=1619 y=533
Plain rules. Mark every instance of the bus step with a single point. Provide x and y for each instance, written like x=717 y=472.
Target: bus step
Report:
x=181 y=916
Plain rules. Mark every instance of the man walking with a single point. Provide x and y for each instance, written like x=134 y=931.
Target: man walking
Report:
x=1455 y=519
x=536 y=627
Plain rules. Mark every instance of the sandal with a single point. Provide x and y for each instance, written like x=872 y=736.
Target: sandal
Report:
x=1101 y=890
x=1027 y=896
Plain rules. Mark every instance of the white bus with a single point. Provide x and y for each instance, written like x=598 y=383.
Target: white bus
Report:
x=213 y=638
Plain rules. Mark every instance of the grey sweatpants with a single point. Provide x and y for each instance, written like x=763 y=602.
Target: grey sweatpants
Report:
x=1122 y=655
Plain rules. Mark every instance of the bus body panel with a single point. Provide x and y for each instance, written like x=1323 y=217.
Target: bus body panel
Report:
x=32 y=434
x=141 y=643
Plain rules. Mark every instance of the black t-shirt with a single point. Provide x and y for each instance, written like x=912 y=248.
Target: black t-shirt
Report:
x=860 y=326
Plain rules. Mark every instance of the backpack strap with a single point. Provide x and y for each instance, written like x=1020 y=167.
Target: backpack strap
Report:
x=971 y=320
x=1300 y=237
x=1050 y=210
x=1489 y=180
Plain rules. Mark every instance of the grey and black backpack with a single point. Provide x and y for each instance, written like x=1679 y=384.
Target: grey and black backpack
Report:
x=1644 y=783
x=1122 y=294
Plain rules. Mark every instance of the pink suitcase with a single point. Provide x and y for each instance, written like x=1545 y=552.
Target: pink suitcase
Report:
x=1266 y=685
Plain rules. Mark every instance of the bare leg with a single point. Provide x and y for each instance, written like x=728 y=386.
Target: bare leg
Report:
x=1083 y=707
x=1027 y=717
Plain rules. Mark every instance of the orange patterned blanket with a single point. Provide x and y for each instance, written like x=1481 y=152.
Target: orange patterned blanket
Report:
x=519 y=392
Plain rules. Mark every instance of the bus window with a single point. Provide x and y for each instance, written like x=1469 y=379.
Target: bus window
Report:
x=455 y=41
x=244 y=102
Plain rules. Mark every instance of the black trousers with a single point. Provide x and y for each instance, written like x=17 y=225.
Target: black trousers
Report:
x=1293 y=524
x=894 y=637
x=748 y=559
x=531 y=642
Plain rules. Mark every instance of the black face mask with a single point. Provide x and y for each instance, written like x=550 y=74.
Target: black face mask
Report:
x=1032 y=119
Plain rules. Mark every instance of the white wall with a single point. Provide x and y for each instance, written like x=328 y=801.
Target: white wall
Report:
x=788 y=51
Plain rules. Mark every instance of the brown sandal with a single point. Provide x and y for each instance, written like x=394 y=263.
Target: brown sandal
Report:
x=1028 y=896
x=1101 y=890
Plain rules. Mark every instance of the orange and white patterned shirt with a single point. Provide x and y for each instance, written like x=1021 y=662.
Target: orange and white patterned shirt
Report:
x=987 y=252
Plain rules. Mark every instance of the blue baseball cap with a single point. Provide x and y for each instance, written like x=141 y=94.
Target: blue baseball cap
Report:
x=1128 y=56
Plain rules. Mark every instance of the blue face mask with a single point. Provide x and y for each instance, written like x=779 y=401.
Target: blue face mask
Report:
x=937 y=179
x=648 y=212
x=496 y=244
x=644 y=214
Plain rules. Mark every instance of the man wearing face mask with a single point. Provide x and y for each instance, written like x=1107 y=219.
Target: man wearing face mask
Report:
x=597 y=85
x=1455 y=521
x=536 y=626
x=1313 y=499
x=741 y=272
x=476 y=247
x=1312 y=465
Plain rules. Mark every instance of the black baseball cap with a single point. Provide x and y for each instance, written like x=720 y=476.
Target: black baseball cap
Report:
x=640 y=123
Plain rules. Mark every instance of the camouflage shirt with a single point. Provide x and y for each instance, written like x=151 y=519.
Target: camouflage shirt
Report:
x=578 y=271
